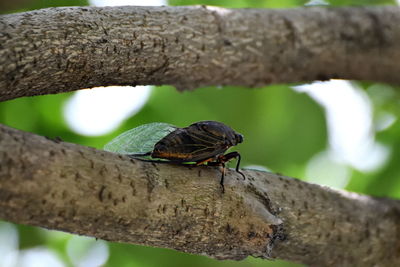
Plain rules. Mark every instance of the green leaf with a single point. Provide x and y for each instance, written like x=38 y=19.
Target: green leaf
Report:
x=140 y=139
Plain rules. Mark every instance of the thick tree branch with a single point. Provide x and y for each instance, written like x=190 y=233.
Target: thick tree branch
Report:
x=82 y=190
x=64 y=49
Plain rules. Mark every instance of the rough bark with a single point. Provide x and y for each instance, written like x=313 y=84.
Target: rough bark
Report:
x=82 y=190
x=63 y=49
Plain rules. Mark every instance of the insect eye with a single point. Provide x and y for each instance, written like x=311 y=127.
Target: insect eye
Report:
x=239 y=138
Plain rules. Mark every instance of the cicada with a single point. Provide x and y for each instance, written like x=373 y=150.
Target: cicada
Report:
x=201 y=143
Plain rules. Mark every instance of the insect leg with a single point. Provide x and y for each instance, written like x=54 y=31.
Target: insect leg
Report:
x=222 y=177
x=139 y=154
x=183 y=163
x=150 y=160
x=204 y=161
x=231 y=155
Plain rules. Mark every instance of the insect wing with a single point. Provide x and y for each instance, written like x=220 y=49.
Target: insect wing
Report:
x=203 y=149
x=140 y=139
x=205 y=144
x=190 y=144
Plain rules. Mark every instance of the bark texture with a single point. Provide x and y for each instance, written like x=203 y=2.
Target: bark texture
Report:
x=64 y=49
x=82 y=190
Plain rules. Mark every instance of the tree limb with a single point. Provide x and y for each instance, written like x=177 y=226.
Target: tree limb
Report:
x=64 y=49
x=82 y=190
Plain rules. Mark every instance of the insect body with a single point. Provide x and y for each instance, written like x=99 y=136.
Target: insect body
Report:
x=197 y=143
x=203 y=142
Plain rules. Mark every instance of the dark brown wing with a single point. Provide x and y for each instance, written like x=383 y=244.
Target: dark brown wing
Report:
x=189 y=144
x=218 y=131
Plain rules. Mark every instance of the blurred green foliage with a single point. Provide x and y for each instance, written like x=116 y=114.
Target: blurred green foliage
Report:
x=283 y=130
x=384 y=182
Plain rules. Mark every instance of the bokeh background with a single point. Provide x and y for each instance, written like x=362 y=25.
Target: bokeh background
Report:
x=337 y=133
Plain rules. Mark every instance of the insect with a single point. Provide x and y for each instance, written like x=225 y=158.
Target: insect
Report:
x=203 y=142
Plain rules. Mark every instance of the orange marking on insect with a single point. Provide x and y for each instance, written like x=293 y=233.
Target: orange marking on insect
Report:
x=170 y=155
x=205 y=161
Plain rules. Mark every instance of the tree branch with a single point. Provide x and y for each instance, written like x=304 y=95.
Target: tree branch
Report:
x=82 y=190
x=64 y=49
